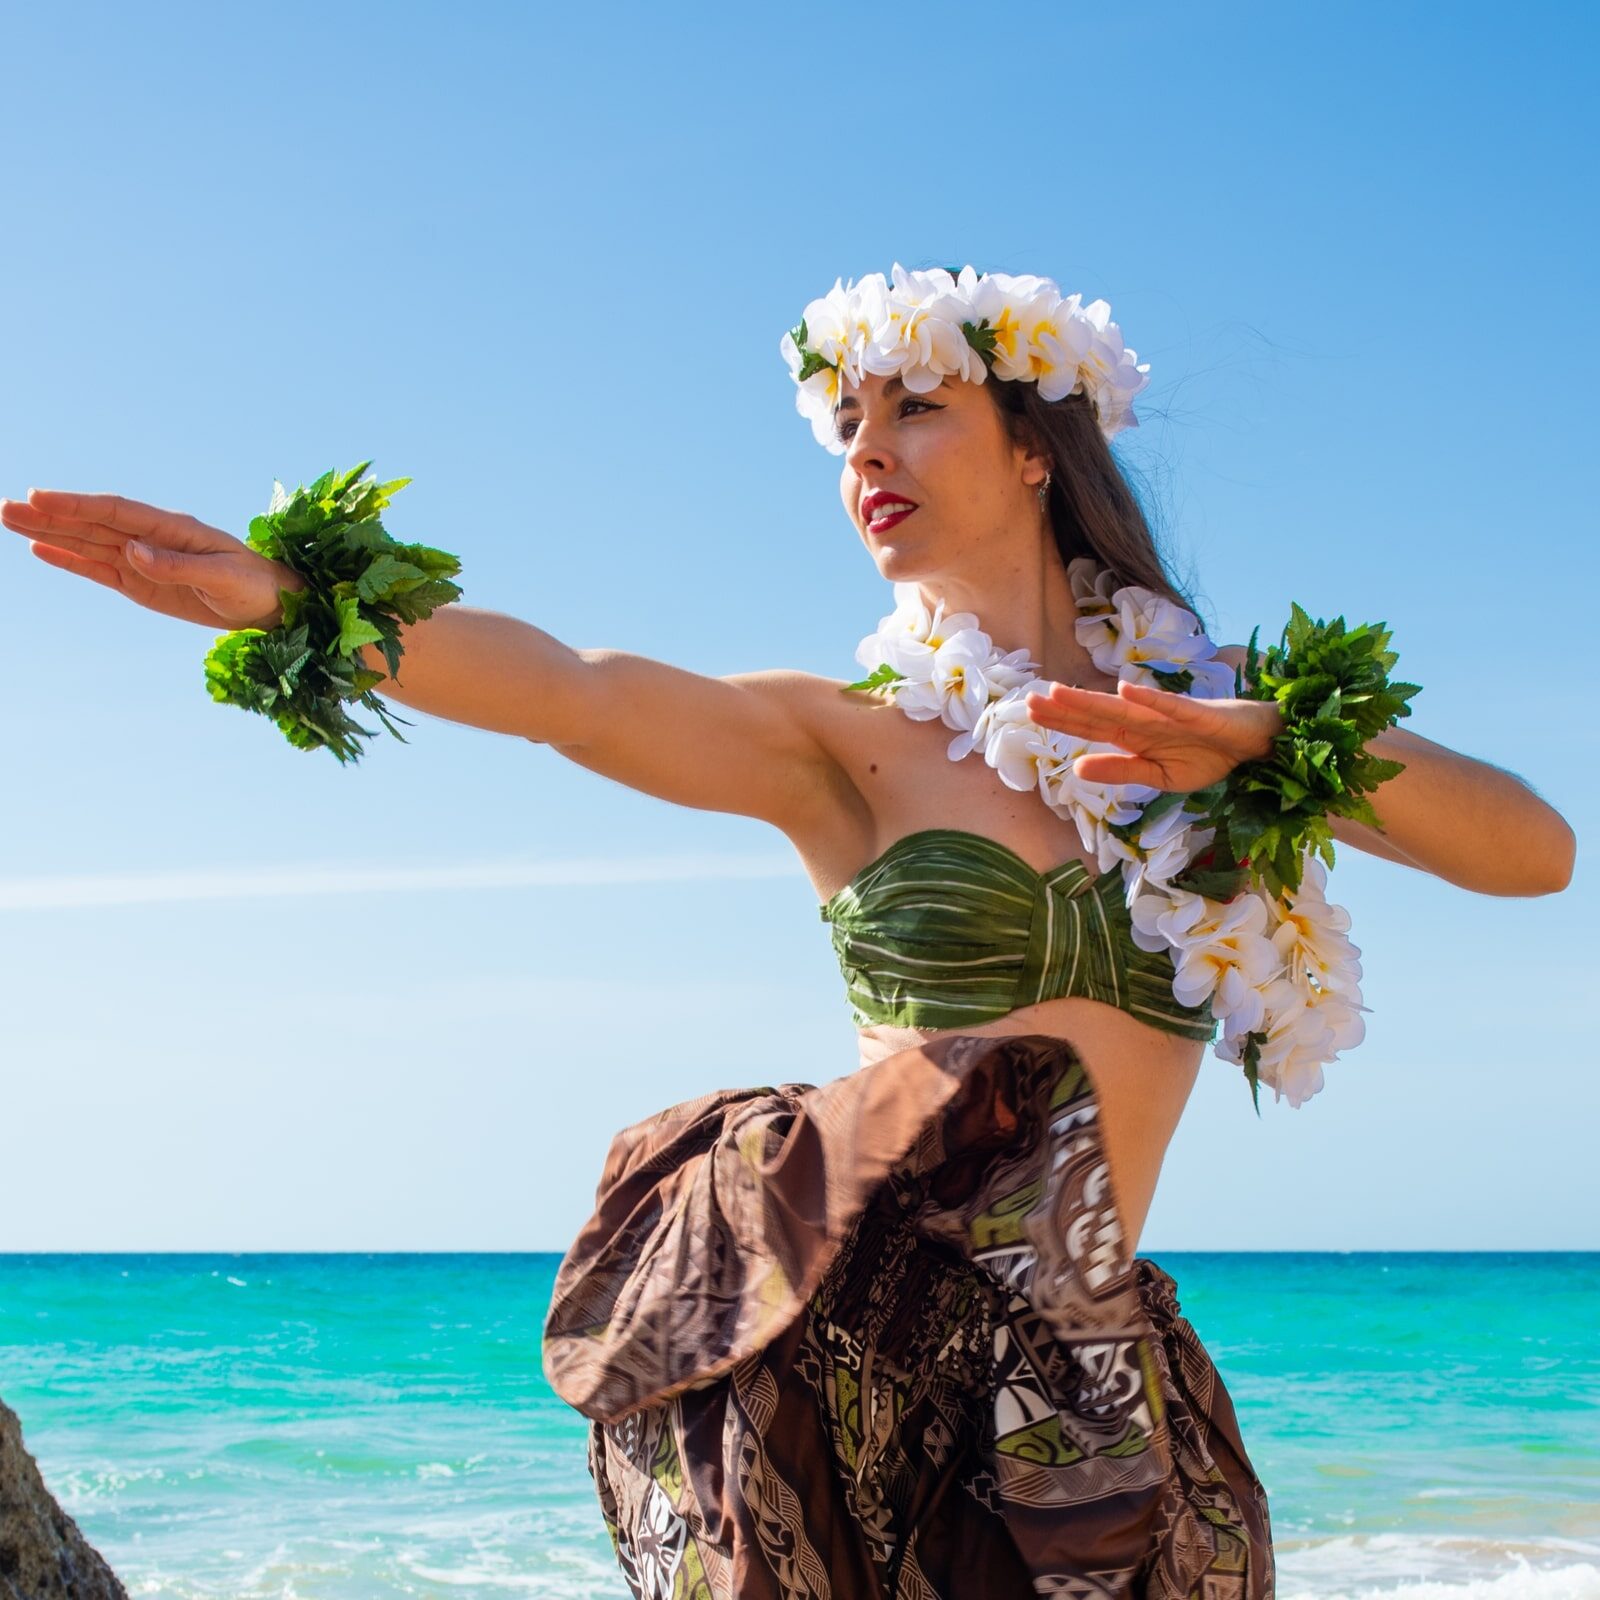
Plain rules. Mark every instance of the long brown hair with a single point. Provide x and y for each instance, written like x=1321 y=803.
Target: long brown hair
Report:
x=1093 y=510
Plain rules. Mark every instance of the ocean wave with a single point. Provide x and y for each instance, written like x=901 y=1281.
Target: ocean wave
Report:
x=1410 y=1566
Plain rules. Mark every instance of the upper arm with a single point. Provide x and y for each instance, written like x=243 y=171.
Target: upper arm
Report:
x=1345 y=830
x=745 y=743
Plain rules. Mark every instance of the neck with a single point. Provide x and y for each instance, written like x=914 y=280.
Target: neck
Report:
x=1024 y=601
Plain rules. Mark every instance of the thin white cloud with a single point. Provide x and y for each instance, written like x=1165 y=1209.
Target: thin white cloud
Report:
x=69 y=893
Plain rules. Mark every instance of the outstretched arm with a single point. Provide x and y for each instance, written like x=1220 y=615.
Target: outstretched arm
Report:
x=1464 y=820
x=742 y=743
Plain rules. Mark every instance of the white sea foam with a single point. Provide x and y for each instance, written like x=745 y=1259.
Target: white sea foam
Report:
x=1406 y=1566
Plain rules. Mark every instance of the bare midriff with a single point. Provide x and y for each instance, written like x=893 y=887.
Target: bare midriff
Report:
x=1142 y=1077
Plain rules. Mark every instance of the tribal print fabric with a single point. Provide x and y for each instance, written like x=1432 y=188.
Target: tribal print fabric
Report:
x=882 y=1339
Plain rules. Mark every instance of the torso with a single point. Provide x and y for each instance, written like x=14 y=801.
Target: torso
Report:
x=900 y=779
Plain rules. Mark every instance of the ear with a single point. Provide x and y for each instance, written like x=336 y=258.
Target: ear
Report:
x=1036 y=463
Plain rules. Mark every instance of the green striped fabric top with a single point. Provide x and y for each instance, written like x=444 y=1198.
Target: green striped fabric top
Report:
x=949 y=927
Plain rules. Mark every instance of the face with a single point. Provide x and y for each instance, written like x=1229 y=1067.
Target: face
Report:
x=947 y=457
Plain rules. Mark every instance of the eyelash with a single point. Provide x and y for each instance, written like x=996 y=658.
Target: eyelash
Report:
x=844 y=438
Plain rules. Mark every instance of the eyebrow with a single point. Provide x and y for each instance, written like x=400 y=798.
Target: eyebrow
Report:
x=894 y=382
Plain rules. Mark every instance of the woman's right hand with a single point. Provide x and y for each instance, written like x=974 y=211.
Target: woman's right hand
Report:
x=192 y=570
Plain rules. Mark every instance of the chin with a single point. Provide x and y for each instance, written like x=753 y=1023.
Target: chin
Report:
x=896 y=564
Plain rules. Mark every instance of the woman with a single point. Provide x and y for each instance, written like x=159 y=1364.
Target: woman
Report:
x=889 y=1336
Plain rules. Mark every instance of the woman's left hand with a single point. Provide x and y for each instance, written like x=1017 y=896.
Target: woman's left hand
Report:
x=1172 y=740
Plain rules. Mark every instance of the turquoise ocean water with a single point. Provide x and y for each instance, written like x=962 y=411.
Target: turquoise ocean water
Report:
x=328 y=1427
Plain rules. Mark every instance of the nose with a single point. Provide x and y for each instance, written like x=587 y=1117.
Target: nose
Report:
x=867 y=446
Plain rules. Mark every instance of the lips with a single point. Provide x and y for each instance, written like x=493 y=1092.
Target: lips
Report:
x=883 y=509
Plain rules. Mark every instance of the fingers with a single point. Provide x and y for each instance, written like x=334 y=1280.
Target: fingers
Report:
x=96 y=550
x=1093 y=715
x=108 y=510
x=68 y=561
x=116 y=557
x=1109 y=767
x=1175 y=704
x=25 y=519
x=114 y=516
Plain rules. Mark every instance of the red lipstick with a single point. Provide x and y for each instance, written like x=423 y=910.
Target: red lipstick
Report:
x=883 y=509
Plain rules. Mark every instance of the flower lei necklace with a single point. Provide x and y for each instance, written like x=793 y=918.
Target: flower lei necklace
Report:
x=1275 y=963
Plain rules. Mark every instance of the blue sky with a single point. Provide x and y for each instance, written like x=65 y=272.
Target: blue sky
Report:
x=540 y=263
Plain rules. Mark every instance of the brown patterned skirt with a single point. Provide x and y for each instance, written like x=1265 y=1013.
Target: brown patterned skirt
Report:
x=881 y=1340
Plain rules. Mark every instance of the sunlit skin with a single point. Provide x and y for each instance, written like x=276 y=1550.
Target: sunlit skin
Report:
x=980 y=539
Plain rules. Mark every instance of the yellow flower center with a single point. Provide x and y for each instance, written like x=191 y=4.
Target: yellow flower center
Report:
x=1005 y=332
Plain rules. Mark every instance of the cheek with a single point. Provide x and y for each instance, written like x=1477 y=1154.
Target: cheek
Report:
x=950 y=462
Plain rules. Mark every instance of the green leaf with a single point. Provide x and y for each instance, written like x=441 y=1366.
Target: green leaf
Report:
x=1330 y=683
x=982 y=339
x=881 y=675
x=354 y=631
x=361 y=586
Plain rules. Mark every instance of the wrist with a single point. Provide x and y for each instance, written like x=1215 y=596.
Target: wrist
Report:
x=351 y=585
x=1269 y=725
x=288 y=578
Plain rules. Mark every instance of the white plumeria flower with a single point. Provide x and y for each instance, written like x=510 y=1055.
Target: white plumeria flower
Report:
x=1094 y=587
x=920 y=335
x=907 y=638
x=1304 y=1030
x=1131 y=631
x=1112 y=373
x=1220 y=950
x=1061 y=345
x=838 y=328
x=1012 y=307
x=1277 y=967
x=1310 y=933
x=1012 y=742
x=1013 y=670
x=1148 y=631
x=1166 y=846
x=816 y=400
x=914 y=326
x=1093 y=805
x=1213 y=680
x=957 y=687
x=828 y=323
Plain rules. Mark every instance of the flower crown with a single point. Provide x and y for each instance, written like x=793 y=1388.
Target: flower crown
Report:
x=927 y=326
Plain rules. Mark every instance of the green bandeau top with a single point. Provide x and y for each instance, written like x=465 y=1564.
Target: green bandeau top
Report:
x=948 y=927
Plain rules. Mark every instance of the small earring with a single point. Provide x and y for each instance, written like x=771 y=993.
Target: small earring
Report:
x=1044 y=492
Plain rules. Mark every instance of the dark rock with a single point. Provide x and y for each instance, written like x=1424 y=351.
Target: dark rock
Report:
x=43 y=1556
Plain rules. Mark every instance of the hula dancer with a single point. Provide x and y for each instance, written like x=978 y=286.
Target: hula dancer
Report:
x=888 y=1335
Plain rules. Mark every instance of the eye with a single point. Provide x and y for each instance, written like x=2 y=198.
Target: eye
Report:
x=846 y=430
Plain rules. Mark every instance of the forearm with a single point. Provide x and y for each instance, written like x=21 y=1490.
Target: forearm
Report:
x=487 y=670
x=1467 y=821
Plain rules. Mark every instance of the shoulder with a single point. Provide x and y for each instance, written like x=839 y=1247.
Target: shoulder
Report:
x=819 y=714
x=817 y=703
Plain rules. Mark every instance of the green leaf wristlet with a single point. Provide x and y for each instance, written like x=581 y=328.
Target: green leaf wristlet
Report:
x=361 y=585
x=1333 y=688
